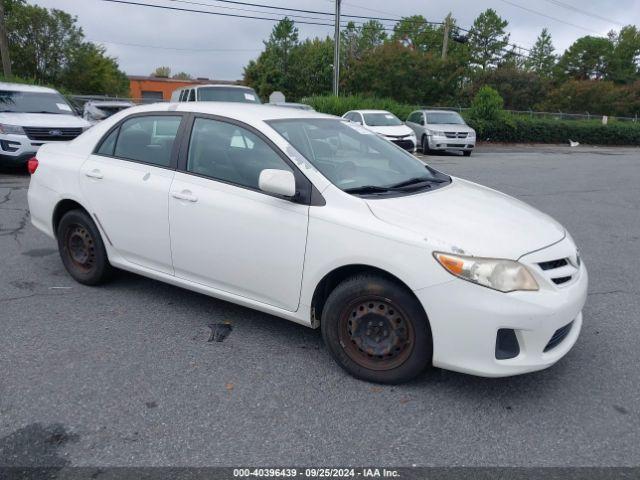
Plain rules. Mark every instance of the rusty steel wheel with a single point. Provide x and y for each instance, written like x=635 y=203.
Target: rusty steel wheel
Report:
x=375 y=333
x=80 y=245
x=81 y=248
x=376 y=329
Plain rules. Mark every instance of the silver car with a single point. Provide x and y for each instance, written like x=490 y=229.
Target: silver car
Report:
x=442 y=130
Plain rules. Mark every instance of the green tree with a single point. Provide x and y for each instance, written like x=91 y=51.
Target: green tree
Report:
x=415 y=32
x=624 y=64
x=182 y=76
x=541 y=57
x=41 y=41
x=90 y=71
x=488 y=39
x=487 y=105
x=161 y=72
x=587 y=58
x=520 y=89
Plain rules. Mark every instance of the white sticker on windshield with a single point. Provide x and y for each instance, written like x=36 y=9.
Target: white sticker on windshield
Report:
x=63 y=106
x=358 y=128
x=389 y=116
x=250 y=96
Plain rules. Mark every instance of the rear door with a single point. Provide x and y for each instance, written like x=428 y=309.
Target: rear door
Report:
x=225 y=232
x=126 y=182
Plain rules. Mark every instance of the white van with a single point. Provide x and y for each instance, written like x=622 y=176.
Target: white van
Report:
x=215 y=93
x=31 y=116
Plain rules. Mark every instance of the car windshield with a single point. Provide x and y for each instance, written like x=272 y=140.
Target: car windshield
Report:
x=444 y=118
x=227 y=94
x=381 y=119
x=355 y=159
x=34 y=102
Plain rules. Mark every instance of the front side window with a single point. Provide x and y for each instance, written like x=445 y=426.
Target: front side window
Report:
x=444 y=118
x=148 y=139
x=33 y=102
x=355 y=159
x=228 y=152
x=385 y=119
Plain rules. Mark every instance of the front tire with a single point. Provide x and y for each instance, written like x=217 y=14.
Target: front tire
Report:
x=467 y=153
x=82 y=250
x=425 y=146
x=377 y=330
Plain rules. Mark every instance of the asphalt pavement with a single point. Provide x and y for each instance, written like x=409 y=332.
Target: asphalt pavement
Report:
x=124 y=374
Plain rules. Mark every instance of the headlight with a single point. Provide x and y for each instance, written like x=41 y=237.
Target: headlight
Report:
x=437 y=133
x=502 y=275
x=472 y=134
x=11 y=129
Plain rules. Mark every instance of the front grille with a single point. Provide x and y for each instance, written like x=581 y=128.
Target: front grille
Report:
x=553 y=264
x=52 y=134
x=558 y=337
x=455 y=134
x=406 y=144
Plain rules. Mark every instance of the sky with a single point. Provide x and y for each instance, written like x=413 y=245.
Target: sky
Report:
x=218 y=47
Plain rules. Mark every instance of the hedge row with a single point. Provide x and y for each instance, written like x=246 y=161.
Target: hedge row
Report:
x=524 y=130
x=510 y=129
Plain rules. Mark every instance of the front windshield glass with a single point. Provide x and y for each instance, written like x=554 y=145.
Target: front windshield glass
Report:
x=227 y=94
x=352 y=157
x=34 y=102
x=381 y=119
x=444 y=118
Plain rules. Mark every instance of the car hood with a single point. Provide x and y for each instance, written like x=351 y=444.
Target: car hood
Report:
x=468 y=218
x=43 y=120
x=450 y=127
x=393 y=130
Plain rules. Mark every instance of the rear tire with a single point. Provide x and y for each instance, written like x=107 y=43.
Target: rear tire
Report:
x=82 y=250
x=377 y=330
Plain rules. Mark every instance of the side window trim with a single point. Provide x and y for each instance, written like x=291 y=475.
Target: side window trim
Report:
x=307 y=194
x=176 y=148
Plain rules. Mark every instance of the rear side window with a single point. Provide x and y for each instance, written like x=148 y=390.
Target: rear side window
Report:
x=148 y=139
x=192 y=95
x=230 y=153
x=108 y=144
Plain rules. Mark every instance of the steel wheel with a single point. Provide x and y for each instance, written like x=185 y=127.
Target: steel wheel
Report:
x=81 y=248
x=375 y=333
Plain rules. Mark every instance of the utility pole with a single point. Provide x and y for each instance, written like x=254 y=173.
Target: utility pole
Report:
x=4 y=44
x=445 y=38
x=336 y=51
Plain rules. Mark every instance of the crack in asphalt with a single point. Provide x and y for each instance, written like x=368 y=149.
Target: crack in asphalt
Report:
x=611 y=292
x=36 y=294
x=14 y=232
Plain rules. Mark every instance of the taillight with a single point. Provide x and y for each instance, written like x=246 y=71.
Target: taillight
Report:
x=32 y=165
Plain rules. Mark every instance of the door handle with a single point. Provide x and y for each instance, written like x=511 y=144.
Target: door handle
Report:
x=95 y=173
x=185 y=195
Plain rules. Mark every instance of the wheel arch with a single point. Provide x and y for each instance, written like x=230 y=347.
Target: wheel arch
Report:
x=62 y=207
x=333 y=278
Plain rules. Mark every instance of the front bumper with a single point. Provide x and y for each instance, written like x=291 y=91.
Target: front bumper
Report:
x=16 y=150
x=465 y=319
x=407 y=143
x=444 y=143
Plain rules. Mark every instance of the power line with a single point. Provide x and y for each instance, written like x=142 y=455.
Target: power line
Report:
x=547 y=16
x=198 y=50
x=583 y=12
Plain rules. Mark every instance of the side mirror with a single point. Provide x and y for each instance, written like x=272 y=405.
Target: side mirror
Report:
x=280 y=182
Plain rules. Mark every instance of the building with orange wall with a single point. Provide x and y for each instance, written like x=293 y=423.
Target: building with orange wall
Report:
x=158 y=89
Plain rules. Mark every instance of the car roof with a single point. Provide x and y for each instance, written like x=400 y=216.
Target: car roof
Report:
x=437 y=111
x=246 y=112
x=19 y=87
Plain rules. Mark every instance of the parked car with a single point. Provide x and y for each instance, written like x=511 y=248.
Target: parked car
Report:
x=320 y=221
x=442 y=130
x=31 y=116
x=386 y=124
x=300 y=106
x=215 y=93
x=98 y=110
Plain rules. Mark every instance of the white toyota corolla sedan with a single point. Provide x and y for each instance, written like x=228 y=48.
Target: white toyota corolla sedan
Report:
x=319 y=221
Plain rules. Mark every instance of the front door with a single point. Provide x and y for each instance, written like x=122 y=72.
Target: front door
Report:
x=225 y=232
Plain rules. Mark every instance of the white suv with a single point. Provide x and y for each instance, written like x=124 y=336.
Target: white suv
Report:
x=31 y=116
x=442 y=130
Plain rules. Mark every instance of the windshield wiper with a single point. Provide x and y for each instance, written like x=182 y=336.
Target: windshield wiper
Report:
x=367 y=189
x=416 y=181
